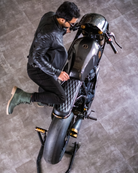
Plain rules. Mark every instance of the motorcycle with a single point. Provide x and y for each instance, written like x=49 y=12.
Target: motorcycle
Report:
x=84 y=56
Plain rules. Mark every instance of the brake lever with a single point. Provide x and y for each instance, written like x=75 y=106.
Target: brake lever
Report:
x=75 y=27
x=113 y=35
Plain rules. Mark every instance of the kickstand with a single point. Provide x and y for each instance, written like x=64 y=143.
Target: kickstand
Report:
x=42 y=140
x=75 y=149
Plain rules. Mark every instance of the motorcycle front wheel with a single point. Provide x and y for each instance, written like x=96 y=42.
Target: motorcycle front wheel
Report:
x=57 y=139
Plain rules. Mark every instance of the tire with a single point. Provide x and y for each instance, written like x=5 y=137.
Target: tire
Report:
x=57 y=139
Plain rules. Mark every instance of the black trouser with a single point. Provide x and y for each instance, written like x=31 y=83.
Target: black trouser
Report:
x=50 y=91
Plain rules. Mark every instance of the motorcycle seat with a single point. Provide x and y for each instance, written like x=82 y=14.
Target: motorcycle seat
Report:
x=71 y=88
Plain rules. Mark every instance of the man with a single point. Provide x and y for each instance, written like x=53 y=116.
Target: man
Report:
x=47 y=58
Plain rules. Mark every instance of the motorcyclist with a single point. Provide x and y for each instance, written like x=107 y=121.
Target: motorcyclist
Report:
x=47 y=58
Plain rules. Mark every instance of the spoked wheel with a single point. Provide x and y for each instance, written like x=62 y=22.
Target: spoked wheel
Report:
x=57 y=139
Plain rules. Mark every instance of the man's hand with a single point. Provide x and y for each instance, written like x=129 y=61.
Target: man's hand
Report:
x=68 y=30
x=63 y=76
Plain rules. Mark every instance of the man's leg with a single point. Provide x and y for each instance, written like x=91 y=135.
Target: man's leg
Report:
x=50 y=91
x=53 y=91
x=39 y=104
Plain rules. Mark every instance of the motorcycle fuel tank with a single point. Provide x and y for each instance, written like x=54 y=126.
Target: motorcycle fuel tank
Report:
x=84 y=57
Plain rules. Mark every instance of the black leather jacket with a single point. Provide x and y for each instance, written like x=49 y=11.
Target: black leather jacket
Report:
x=47 y=51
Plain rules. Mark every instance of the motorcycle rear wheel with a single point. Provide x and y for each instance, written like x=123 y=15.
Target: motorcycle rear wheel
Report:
x=57 y=139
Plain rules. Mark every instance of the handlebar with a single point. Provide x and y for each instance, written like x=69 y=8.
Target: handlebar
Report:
x=109 y=41
x=108 y=37
x=75 y=27
x=112 y=45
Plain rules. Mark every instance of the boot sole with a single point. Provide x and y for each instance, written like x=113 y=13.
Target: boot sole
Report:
x=40 y=106
x=12 y=93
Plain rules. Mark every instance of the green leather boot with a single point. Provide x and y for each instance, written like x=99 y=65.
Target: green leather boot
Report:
x=18 y=97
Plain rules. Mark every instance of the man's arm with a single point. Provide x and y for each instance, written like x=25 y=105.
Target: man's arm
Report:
x=42 y=44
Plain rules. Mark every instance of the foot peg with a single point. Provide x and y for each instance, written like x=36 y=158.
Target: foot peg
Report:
x=90 y=117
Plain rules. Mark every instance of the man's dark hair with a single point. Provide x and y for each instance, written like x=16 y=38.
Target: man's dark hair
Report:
x=67 y=11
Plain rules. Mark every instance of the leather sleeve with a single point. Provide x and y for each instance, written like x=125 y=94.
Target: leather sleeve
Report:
x=43 y=43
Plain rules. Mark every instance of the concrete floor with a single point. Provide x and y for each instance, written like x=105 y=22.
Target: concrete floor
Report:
x=109 y=145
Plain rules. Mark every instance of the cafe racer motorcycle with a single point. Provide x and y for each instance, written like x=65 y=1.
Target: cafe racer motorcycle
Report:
x=84 y=56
